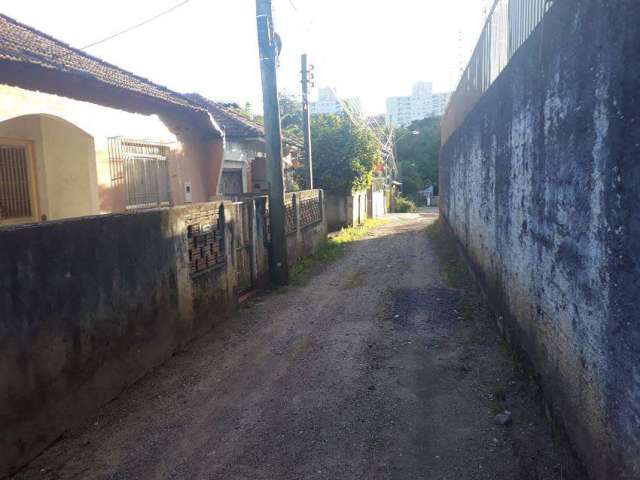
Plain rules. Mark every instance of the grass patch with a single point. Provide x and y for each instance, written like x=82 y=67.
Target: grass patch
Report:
x=335 y=247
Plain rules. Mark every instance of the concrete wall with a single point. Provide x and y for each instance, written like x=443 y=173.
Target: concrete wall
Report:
x=376 y=203
x=344 y=211
x=65 y=164
x=307 y=239
x=88 y=306
x=336 y=211
x=358 y=208
x=541 y=185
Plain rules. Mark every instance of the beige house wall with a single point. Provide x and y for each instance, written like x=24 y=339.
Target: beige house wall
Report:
x=70 y=164
x=64 y=164
x=192 y=159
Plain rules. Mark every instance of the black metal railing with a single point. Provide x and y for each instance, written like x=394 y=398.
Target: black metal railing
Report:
x=508 y=26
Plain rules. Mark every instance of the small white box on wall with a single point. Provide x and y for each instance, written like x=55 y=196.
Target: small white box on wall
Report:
x=188 y=193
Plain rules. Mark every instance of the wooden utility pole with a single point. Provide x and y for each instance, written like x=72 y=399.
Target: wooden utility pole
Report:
x=269 y=44
x=306 y=123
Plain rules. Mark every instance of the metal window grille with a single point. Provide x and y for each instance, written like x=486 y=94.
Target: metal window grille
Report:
x=15 y=192
x=143 y=168
x=509 y=25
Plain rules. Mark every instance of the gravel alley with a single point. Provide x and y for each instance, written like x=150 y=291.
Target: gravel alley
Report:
x=374 y=367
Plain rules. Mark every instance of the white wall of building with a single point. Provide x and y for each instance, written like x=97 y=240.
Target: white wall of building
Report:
x=422 y=103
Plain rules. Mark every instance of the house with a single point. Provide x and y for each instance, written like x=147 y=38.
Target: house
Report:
x=80 y=136
x=245 y=169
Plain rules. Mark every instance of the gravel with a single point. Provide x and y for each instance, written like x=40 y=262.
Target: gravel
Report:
x=367 y=370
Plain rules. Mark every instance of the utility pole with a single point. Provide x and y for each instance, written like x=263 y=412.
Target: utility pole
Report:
x=269 y=45
x=307 y=78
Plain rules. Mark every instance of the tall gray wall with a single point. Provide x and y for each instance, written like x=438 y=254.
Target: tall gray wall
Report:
x=541 y=185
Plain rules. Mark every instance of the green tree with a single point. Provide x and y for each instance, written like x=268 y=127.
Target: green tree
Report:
x=290 y=114
x=344 y=156
x=418 y=154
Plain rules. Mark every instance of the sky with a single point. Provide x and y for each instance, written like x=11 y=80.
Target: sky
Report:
x=372 y=49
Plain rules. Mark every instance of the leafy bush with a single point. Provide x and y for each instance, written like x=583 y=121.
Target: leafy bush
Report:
x=404 y=205
x=344 y=156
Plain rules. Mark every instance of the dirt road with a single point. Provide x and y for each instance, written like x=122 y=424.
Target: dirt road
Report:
x=374 y=368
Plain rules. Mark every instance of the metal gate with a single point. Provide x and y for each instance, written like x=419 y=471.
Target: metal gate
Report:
x=243 y=240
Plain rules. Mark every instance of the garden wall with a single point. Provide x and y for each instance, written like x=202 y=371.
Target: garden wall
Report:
x=89 y=305
x=344 y=211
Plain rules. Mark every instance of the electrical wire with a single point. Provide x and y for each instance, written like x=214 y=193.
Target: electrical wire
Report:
x=382 y=134
x=384 y=139
x=137 y=25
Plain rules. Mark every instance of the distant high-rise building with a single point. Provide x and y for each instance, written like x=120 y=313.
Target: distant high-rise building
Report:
x=439 y=103
x=422 y=103
x=329 y=104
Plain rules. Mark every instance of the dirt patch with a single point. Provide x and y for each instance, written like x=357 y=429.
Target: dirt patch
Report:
x=540 y=451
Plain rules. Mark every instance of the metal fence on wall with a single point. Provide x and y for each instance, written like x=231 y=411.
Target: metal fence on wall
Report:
x=508 y=26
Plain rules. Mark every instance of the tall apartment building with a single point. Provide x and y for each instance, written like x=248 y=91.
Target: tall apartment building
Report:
x=422 y=103
x=399 y=110
x=328 y=103
x=439 y=103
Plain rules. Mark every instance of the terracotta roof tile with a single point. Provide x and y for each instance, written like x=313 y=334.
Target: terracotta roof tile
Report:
x=23 y=44
x=235 y=124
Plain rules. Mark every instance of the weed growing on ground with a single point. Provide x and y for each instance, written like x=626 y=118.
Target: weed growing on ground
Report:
x=405 y=205
x=335 y=247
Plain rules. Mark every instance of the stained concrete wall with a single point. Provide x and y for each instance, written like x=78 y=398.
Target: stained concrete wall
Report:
x=89 y=305
x=344 y=211
x=541 y=185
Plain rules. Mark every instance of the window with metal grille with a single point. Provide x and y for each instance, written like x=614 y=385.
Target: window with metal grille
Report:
x=143 y=168
x=15 y=185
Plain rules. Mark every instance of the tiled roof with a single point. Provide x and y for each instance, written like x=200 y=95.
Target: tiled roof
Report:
x=22 y=44
x=234 y=124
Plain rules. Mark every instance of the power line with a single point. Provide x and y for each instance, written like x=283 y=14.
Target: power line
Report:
x=358 y=119
x=307 y=21
x=137 y=25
